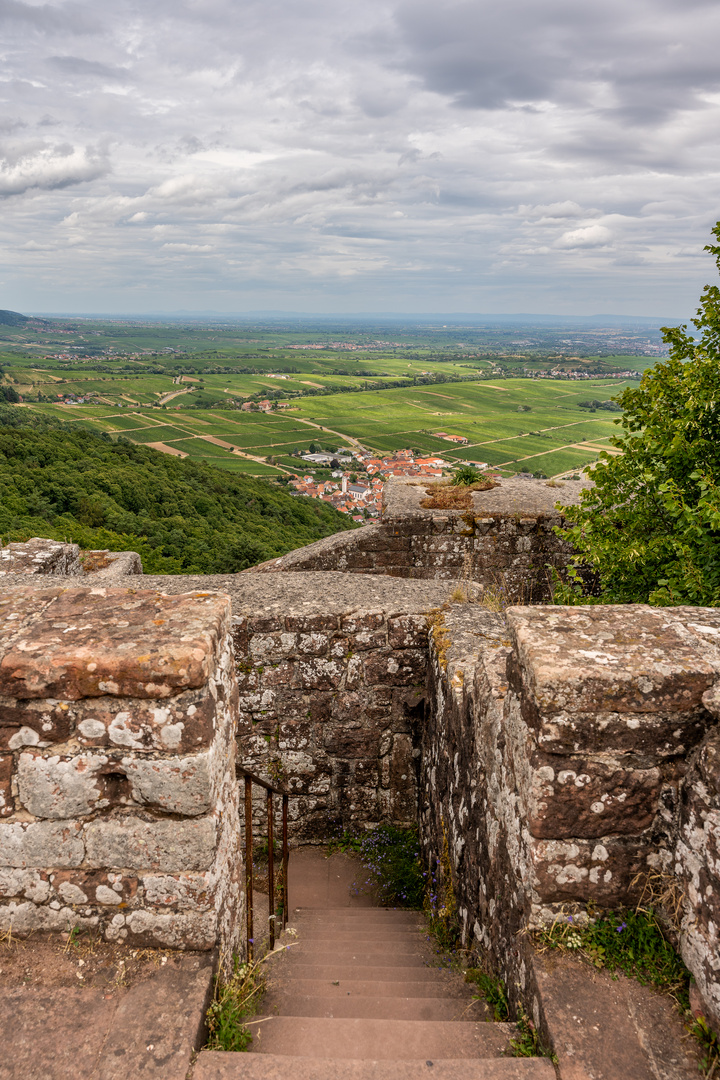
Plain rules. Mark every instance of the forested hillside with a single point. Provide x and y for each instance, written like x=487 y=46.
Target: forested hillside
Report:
x=183 y=517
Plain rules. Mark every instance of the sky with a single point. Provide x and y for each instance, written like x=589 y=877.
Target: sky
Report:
x=325 y=156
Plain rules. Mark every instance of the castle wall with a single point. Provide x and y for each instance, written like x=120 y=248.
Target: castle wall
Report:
x=118 y=800
x=506 y=541
x=570 y=756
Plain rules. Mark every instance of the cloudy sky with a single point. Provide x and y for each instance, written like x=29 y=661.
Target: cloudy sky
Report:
x=333 y=156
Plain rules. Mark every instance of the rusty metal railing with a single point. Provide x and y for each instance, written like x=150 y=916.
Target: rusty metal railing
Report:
x=270 y=790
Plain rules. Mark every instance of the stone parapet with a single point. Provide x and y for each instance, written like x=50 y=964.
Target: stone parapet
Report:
x=506 y=541
x=38 y=556
x=50 y=557
x=118 y=799
x=569 y=756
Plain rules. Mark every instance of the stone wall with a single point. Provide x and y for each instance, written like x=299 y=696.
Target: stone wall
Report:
x=51 y=557
x=118 y=796
x=566 y=758
x=506 y=541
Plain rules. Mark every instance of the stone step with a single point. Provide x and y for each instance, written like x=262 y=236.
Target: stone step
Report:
x=348 y=1003
x=216 y=1065
x=378 y=988
x=389 y=953
x=351 y=933
x=396 y=916
x=387 y=1040
x=347 y=972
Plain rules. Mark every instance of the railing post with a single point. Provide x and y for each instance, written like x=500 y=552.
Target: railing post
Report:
x=285 y=857
x=271 y=868
x=249 y=866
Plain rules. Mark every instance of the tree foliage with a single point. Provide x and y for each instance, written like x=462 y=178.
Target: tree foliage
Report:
x=182 y=517
x=649 y=531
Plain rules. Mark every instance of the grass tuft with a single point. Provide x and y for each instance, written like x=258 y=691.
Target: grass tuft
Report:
x=627 y=941
x=235 y=1000
x=492 y=991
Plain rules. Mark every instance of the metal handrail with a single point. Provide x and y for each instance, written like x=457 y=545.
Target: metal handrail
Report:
x=271 y=790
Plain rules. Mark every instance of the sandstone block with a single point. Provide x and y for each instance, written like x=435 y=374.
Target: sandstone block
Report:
x=167 y=846
x=177 y=724
x=175 y=930
x=61 y=787
x=400 y=668
x=632 y=659
x=357 y=740
x=24 y=917
x=183 y=786
x=582 y=797
x=30 y=884
x=41 y=844
x=272 y=646
x=31 y=723
x=659 y=734
x=580 y=870
x=362 y=640
x=407 y=631
x=179 y=890
x=91 y=642
x=319 y=674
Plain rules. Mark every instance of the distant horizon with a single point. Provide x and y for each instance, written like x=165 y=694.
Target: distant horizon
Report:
x=523 y=318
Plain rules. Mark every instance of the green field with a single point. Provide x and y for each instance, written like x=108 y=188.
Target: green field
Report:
x=387 y=387
x=547 y=437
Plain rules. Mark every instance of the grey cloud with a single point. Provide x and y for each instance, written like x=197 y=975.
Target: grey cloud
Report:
x=49 y=18
x=76 y=65
x=653 y=57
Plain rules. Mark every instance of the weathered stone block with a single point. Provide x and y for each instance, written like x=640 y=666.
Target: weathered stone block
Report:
x=659 y=734
x=41 y=844
x=602 y=870
x=309 y=624
x=178 y=724
x=356 y=741
x=319 y=674
x=400 y=668
x=632 y=659
x=167 y=846
x=93 y=642
x=582 y=797
x=407 y=631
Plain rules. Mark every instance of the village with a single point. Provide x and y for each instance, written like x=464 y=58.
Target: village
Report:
x=358 y=495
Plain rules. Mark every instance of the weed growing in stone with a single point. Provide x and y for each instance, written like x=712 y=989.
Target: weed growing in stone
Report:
x=235 y=1000
x=440 y=902
x=527 y=1042
x=627 y=941
x=349 y=842
x=491 y=990
x=390 y=857
x=709 y=1046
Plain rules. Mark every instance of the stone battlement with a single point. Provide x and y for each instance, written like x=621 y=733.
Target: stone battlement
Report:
x=117 y=796
x=506 y=542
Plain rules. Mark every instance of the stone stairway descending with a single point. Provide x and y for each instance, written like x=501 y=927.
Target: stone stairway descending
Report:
x=355 y=996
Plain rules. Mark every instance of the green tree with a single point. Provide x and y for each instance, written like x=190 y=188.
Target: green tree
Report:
x=649 y=530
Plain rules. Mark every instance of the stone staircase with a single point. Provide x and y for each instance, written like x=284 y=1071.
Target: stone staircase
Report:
x=358 y=995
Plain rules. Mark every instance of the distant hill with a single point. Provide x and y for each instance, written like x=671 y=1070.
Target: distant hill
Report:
x=182 y=517
x=13 y=318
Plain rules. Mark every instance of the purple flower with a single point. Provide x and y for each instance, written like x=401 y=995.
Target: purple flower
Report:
x=619 y=929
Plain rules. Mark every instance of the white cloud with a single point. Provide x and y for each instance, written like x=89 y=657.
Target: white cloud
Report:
x=589 y=236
